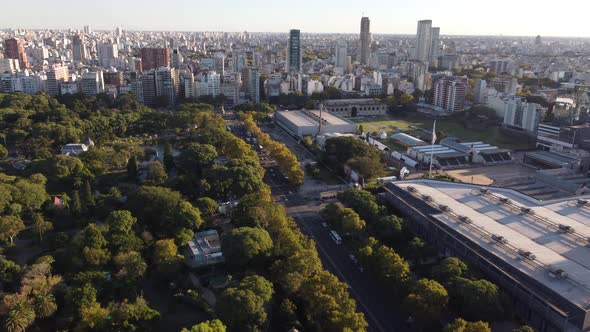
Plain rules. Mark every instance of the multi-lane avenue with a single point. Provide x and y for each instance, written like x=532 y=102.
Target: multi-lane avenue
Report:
x=381 y=311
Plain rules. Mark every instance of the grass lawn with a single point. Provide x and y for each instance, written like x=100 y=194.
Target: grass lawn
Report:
x=390 y=124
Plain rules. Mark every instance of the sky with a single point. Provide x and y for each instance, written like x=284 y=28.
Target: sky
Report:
x=455 y=17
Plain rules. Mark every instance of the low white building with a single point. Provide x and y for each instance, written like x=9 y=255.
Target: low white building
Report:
x=73 y=149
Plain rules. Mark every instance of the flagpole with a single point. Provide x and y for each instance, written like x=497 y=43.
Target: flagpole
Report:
x=432 y=148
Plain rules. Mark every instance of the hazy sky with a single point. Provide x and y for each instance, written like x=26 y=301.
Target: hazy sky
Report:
x=507 y=17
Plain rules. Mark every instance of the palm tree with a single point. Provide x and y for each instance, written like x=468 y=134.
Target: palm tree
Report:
x=45 y=305
x=19 y=312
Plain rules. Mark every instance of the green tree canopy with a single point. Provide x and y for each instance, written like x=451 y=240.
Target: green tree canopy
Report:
x=163 y=211
x=246 y=245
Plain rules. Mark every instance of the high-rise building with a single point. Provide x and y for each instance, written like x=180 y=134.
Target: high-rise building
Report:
x=219 y=63
x=500 y=65
x=148 y=87
x=254 y=85
x=239 y=60
x=341 y=54
x=9 y=65
x=176 y=59
x=424 y=40
x=167 y=84
x=154 y=58
x=56 y=75
x=209 y=84
x=78 y=48
x=87 y=29
x=294 y=51
x=92 y=83
x=449 y=93
x=14 y=49
x=115 y=78
x=434 y=46
x=107 y=54
x=479 y=93
x=365 y=40
x=230 y=87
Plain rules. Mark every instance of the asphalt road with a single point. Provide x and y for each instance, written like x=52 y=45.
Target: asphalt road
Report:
x=381 y=311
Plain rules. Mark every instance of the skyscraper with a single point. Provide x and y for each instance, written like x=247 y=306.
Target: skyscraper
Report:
x=14 y=49
x=154 y=58
x=78 y=48
x=107 y=54
x=434 y=46
x=365 y=40
x=294 y=51
x=341 y=54
x=424 y=40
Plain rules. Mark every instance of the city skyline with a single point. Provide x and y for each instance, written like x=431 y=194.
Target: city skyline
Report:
x=520 y=20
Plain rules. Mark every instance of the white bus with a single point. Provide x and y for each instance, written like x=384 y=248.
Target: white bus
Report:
x=335 y=237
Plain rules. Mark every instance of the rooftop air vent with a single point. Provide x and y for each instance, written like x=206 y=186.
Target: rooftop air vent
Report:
x=464 y=219
x=444 y=208
x=566 y=228
x=499 y=239
x=527 y=254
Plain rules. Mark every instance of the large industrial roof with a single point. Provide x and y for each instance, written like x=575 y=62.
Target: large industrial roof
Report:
x=310 y=118
x=548 y=241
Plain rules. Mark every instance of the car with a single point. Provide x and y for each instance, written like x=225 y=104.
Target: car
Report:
x=325 y=224
x=353 y=258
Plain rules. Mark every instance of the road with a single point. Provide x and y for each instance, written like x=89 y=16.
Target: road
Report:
x=381 y=311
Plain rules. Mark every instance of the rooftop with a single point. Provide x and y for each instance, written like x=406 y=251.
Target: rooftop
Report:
x=205 y=249
x=548 y=241
x=367 y=101
x=311 y=117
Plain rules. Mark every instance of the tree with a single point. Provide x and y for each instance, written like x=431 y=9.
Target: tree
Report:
x=120 y=232
x=390 y=228
x=130 y=264
x=449 y=270
x=76 y=204
x=134 y=316
x=367 y=167
x=3 y=152
x=406 y=99
x=163 y=211
x=40 y=226
x=207 y=206
x=479 y=299
x=156 y=173
x=426 y=302
x=330 y=305
x=94 y=243
x=349 y=221
x=364 y=203
x=168 y=157
x=461 y=325
x=165 y=251
x=214 y=325
x=524 y=328
x=19 y=312
x=258 y=285
x=196 y=157
x=9 y=271
x=132 y=167
x=88 y=196
x=10 y=226
x=241 y=309
x=246 y=245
